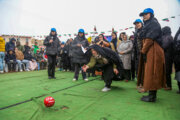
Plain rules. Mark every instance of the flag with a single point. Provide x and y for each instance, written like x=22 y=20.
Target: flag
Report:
x=95 y=28
x=131 y=27
x=172 y=16
x=102 y=32
x=86 y=33
x=112 y=29
x=165 y=19
x=64 y=34
x=126 y=28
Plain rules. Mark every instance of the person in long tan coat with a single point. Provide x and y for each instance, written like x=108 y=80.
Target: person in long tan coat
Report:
x=151 y=71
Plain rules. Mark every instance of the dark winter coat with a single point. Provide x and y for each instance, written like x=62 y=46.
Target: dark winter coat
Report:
x=177 y=51
x=151 y=71
x=52 y=48
x=167 y=45
x=10 y=45
x=109 y=54
x=77 y=54
x=9 y=57
x=28 y=56
x=26 y=48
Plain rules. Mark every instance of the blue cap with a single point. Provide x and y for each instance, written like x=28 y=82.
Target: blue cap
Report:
x=81 y=30
x=137 y=21
x=63 y=43
x=53 y=29
x=147 y=10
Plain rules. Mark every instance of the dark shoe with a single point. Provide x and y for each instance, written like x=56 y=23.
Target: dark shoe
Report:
x=53 y=77
x=150 y=98
x=178 y=92
x=49 y=77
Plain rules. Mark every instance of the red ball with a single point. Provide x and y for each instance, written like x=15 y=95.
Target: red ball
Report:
x=49 y=101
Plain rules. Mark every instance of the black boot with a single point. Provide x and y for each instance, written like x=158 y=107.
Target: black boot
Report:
x=151 y=97
x=178 y=92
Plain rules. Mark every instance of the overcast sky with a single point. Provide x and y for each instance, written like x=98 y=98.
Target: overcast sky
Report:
x=36 y=17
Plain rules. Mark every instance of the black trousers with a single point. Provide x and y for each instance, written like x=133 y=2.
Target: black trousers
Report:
x=108 y=74
x=51 y=65
x=133 y=69
x=168 y=80
x=77 y=69
x=178 y=85
x=11 y=66
x=127 y=74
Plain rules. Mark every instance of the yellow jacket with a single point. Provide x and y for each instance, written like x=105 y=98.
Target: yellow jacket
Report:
x=112 y=45
x=2 y=44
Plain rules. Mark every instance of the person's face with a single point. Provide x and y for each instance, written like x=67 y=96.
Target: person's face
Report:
x=113 y=36
x=16 y=49
x=138 y=25
x=146 y=16
x=70 y=40
x=132 y=38
x=53 y=33
x=94 y=52
x=10 y=52
x=81 y=34
x=100 y=37
x=124 y=37
x=17 y=43
x=14 y=41
x=27 y=43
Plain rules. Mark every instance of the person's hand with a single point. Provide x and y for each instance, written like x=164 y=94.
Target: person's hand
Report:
x=79 y=45
x=116 y=71
x=42 y=60
x=121 y=53
x=51 y=41
x=85 y=67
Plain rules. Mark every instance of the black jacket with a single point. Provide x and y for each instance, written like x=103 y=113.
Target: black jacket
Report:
x=77 y=54
x=177 y=51
x=28 y=56
x=9 y=57
x=151 y=30
x=107 y=53
x=52 y=48
x=10 y=45
x=167 y=45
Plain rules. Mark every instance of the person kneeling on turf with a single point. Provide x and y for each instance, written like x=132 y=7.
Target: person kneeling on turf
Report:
x=107 y=60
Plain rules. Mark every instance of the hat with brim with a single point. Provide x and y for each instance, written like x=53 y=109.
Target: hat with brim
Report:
x=147 y=10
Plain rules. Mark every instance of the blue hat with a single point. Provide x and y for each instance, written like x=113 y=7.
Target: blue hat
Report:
x=53 y=29
x=81 y=30
x=147 y=10
x=137 y=21
x=63 y=43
